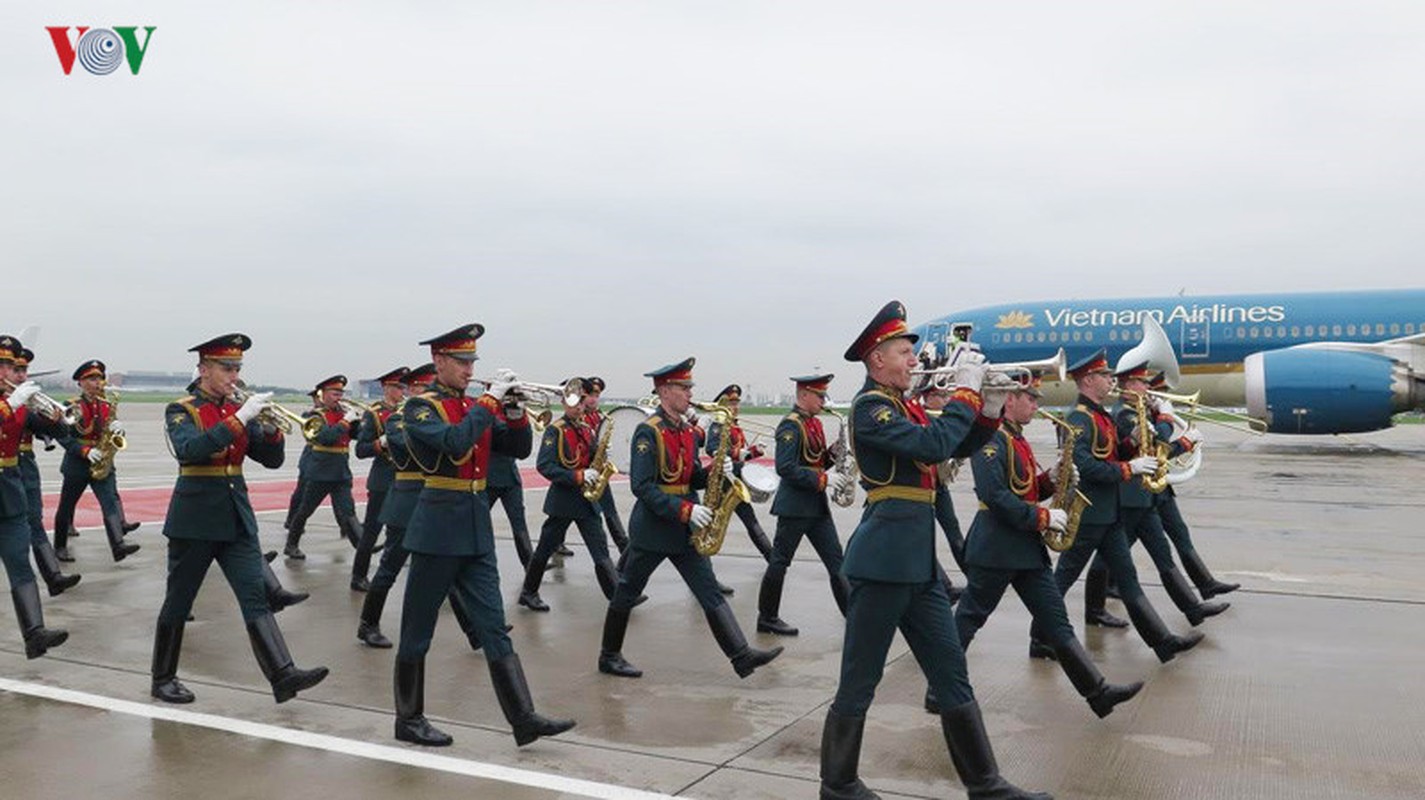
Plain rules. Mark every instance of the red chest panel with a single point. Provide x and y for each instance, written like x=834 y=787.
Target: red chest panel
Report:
x=816 y=435
x=738 y=441
x=578 y=450
x=475 y=464
x=915 y=412
x=1107 y=434
x=594 y=418
x=681 y=448
x=93 y=416
x=12 y=432
x=1026 y=467
x=334 y=416
x=211 y=415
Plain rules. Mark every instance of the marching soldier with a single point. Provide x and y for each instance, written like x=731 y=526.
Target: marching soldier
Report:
x=210 y=519
x=45 y=558
x=890 y=558
x=505 y=487
x=805 y=465
x=1006 y=548
x=1139 y=506
x=371 y=443
x=612 y=520
x=666 y=474
x=451 y=538
x=14 y=527
x=303 y=461
x=1103 y=474
x=731 y=399
x=565 y=452
x=1172 y=518
x=329 y=471
x=95 y=415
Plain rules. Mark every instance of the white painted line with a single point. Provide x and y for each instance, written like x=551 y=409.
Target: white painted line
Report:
x=333 y=744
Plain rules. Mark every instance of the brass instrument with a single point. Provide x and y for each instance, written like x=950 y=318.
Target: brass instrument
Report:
x=284 y=419
x=1193 y=413
x=943 y=378
x=110 y=442
x=42 y=403
x=603 y=468
x=1146 y=437
x=845 y=463
x=723 y=494
x=540 y=399
x=1067 y=497
x=356 y=405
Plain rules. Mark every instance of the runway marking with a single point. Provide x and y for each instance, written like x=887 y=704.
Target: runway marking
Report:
x=334 y=744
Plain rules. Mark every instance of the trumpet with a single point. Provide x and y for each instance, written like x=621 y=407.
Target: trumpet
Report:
x=42 y=403
x=355 y=405
x=283 y=418
x=569 y=393
x=943 y=378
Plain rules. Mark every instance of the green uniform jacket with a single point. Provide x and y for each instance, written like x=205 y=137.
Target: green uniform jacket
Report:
x=406 y=488
x=373 y=426
x=1096 y=456
x=330 y=461
x=94 y=417
x=560 y=462
x=451 y=522
x=895 y=541
x=203 y=433
x=659 y=521
x=36 y=424
x=1005 y=531
x=802 y=468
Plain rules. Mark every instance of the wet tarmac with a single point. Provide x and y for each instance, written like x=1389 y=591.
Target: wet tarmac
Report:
x=1308 y=687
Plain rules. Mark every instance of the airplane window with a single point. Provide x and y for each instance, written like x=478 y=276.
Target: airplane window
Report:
x=1335 y=330
x=1380 y=329
x=995 y=337
x=1138 y=336
x=1040 y=337
x=1227 y=333
x=1254 y=332
x=1241 y=333
x=1267 y=332
x=1078 y=336
x=1350 y=330
x=1281 y=331
x=1088 y=336
x=1113 y=336
x=1409 y=327
x=1295 y=331
x=1310 y=330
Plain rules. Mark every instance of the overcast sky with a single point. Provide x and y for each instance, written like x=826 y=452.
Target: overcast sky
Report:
x=610 y=186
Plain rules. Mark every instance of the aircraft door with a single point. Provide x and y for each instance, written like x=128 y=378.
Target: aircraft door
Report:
x=1195 y=341
x=936 y=335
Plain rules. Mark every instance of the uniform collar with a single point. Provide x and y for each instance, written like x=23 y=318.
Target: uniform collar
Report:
x=1014 y=428
x=445 y=391
x=1083 y=400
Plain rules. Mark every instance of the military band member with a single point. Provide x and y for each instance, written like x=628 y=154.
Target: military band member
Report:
x=565 y=452
x=329 y=470
x=45 y=558
x=371 y=443
x=452 y=540
x=303 y=461
x=1103 y=473
x=935 y=400
x=890 y=558
x=595 y=418
x=1006 y=548
x=14 y=513
x=504 y=486
x=805 y=466
x=1168 y=511
x=741 y=452
x=1139 y=506
x=95 y=416
x=210 y=518
x=666 y=473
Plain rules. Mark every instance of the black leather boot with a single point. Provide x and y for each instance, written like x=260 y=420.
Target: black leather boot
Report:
x=726 y=590
x=616 y=531
x=513 y=692
x=369 y=629
x=974 y=759
x=293 y=547
x=278 y=598
x=769 y=604
x=464 y=620
x=840 y=756
x=1176 y=585
x=55 y=580
x=1095 y=598
x=1202 y=577
x=1089 y=682
x=30 y=614
x=932 y=701
x=611 y=660
x=276 y=663
x=840 y=592
x=745 y=659
x=522 y=546
x=350 y=530
x=529 y=593
x=167 y=644
x=755 y=532
x=114 y=529
x=1156 y=634
x=1038 y=649
x=361 y=562
x=411 y=723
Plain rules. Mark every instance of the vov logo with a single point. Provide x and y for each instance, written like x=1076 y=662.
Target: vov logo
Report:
x=100 y=50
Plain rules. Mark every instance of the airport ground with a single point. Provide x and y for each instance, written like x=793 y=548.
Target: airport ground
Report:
x=1308 y=687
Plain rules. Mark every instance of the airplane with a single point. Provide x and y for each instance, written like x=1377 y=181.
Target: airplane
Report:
x=1305 y=363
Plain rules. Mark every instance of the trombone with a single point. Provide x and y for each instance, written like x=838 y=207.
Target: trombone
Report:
x=42 y=403
x=943 y=378
x=1193 y=412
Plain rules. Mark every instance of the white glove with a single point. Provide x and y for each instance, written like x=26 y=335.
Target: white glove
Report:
x=727 y=469
x=116 y=427
x=1165 y=407
x=1076 y=473
x=381 y=442
x=701 y=516
x=22 y=394
x=995 y=390
x=252 y=406
x=95 y=456
x=691 y=416
x=972 y=375
x=1193 y=435
x=506 y=374
x=351 y=415
x=500 y=386
x=836 y=481
x=1058 y=519
x=1143 y=465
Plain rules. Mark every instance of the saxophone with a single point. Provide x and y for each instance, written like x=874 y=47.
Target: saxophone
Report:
x=723 y=494
x=600 y=464
x=109 y=443
x=845 y=464
x=1148 y=445
x=1067 y=497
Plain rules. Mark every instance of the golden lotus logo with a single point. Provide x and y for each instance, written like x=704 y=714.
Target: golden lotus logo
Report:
x=1015 y=319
